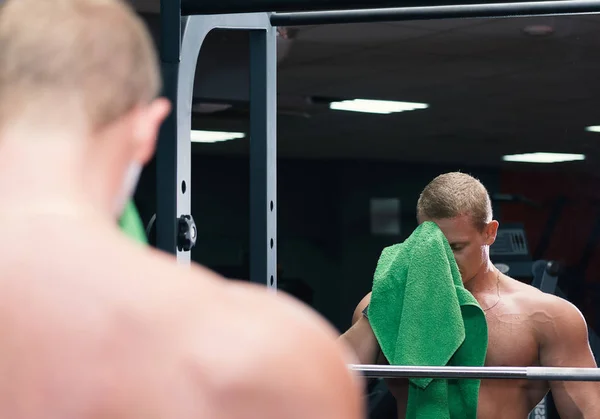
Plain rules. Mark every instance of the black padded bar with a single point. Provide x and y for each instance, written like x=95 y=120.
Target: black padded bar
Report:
x=562 y=7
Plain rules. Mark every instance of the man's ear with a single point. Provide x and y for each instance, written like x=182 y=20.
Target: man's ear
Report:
x=149 y=121
x=490 y=232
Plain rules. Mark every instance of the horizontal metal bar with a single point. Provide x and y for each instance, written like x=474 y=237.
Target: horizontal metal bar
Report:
x=201 y=7
x=510 y=373
x=493 y=10
x=387 y=371
x=563 y=374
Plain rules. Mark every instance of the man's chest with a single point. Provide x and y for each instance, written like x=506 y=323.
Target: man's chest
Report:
x=511 y=341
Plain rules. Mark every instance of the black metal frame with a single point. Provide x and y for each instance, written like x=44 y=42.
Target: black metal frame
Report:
x=263 y=157
x=181 y=40
x=166 y=150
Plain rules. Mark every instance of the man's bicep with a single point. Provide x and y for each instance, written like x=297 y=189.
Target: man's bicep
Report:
x=360 y=336
x=565 y=344
x=362 y=340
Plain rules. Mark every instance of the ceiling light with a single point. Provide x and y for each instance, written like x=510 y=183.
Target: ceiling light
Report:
x=215 y=136
x=593 y=128
x=383 y=107
x=543 y=157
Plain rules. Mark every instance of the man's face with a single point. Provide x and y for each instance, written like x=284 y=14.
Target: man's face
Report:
x=470 y=246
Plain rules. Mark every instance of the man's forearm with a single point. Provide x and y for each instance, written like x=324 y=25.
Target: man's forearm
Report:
x=591 y=407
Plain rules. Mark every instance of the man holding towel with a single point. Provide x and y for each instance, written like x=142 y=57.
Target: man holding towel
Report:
x=93 y=325
x=525 y=327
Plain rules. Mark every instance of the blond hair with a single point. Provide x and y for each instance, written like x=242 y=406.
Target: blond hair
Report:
x=96 y=54
x=455 y=194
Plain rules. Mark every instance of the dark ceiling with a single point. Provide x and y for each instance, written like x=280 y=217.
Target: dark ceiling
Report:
x=494 y=87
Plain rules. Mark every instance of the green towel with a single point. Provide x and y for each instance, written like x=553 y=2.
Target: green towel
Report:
x=422 y=315
x=131 y=223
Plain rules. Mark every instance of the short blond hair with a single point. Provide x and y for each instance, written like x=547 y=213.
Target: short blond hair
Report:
x=455 y=194
x=95 y=53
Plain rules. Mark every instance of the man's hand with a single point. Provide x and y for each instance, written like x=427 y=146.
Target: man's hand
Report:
x=564 y=343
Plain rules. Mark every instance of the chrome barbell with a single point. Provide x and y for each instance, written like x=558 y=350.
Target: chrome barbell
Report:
x=510 y=373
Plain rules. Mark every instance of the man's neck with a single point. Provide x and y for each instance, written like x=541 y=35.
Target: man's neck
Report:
x=43 y=174
x=485 y=281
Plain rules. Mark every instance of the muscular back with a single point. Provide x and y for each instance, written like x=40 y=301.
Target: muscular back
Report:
x=95 y=329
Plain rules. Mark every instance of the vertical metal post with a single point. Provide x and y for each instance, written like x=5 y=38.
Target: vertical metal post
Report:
x=166 y=151
x=181 y=43
x=185 y=229
x=263 y=157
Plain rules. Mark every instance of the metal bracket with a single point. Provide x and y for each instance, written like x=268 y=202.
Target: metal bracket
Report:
x=187 y=233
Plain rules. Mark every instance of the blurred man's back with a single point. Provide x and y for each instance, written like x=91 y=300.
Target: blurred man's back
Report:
x=94 y=326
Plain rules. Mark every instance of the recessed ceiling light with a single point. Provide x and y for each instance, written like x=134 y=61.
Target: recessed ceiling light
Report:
x=215 y=136
x=593 y=128
x=543 y=157
x=383 y=107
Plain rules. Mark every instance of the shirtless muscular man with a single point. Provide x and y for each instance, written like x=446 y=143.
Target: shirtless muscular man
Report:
x=526 y=327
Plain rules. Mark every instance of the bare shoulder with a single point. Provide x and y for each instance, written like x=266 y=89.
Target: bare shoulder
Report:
x=244 y=351
x=552 y=317
x=270 y=354
x=542 y=304
x=559 y=328
x=558 y=318
x=273 y=354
